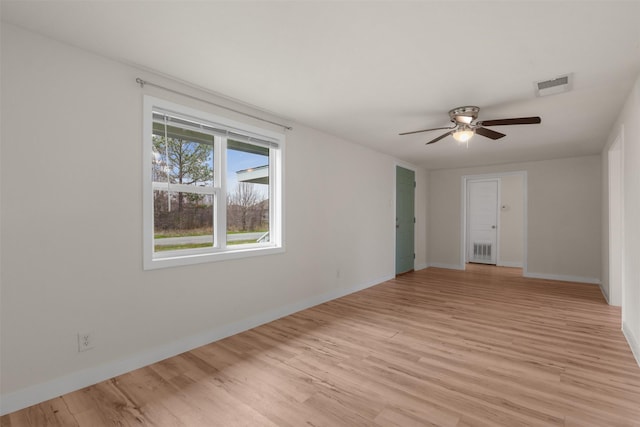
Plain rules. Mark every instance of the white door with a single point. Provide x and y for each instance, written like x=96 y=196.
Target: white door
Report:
x=482 y=221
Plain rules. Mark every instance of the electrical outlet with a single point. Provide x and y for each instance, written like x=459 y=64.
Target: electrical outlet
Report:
x=85 y=341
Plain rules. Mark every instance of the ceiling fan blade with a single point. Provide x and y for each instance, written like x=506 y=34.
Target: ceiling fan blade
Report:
x=517 y=121
x=492 y=134
x=424 y=130
x=439 y=138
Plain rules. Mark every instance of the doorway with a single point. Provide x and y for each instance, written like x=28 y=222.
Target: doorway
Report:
x=482 y=220
x=405 y=219
x=493 y=229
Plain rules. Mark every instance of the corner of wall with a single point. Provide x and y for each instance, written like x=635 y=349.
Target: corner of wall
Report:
x=634 y=343
x=447 y=266
x=603 y=288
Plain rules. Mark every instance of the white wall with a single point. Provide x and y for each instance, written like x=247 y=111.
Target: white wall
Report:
x=72 y=227
x=511 y=225
x=563 y=217
x=629 y=124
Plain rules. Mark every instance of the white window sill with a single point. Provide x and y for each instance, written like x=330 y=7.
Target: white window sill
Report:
x=175 y=259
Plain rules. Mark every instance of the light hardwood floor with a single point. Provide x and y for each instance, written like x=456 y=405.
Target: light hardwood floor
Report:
x=483 y=347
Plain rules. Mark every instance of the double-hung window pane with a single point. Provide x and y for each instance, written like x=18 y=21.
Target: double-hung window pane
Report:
x=183 y=187
x=247 y=193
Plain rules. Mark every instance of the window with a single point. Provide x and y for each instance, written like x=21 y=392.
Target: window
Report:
x=212 y=187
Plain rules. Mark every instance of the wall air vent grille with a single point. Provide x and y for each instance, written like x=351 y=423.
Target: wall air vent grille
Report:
x=482 y=251
x=551 y=87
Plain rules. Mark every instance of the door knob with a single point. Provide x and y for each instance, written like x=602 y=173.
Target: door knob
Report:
x=493 y=226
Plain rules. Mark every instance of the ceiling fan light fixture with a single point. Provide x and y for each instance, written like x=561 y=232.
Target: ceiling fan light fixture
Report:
x=463 y=135
x=464 y=128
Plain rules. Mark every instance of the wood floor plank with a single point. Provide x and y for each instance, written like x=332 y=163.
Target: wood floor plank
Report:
x=481 y=347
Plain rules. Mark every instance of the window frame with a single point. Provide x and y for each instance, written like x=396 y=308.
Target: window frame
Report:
x=219 y=251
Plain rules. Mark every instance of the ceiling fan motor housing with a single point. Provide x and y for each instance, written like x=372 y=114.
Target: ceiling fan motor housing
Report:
x=464 y=115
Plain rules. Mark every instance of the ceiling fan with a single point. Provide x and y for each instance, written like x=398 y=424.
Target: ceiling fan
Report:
x=463 y=127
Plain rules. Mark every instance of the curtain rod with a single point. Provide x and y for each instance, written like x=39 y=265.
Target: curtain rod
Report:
x=142 y=83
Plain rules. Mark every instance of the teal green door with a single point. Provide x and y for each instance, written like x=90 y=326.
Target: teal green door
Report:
x=405 y=219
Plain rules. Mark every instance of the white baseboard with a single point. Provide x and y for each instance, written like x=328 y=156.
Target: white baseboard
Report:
x=35 y=394
x=447 y=266
x=510 y=264
x=562 y=277
x=633 y=342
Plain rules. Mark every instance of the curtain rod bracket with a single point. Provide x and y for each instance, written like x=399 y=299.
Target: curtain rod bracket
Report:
x=144 y=82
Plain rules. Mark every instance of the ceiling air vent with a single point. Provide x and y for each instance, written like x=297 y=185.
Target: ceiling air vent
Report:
x=553 y=86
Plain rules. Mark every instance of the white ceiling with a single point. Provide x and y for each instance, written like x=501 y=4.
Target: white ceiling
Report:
x=366 y=71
